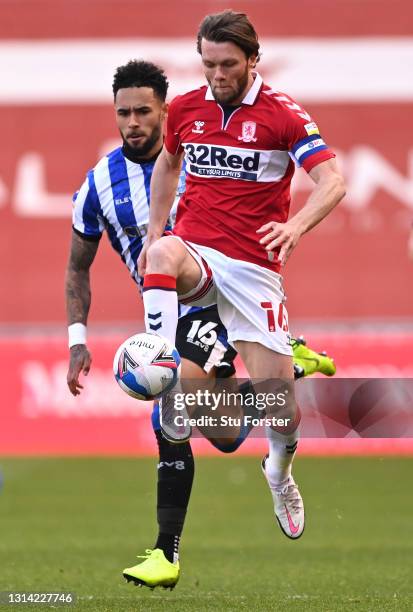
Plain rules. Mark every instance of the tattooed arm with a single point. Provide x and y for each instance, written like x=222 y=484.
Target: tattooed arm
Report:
x=78 y=295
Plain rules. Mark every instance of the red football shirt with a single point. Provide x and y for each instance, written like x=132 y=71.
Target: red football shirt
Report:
x=239 y=172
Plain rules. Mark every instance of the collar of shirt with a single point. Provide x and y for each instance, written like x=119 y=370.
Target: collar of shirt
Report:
x=251 y=94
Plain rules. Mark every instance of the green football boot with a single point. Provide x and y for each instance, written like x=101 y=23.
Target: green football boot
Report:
x=155 y=571
x=308 y=362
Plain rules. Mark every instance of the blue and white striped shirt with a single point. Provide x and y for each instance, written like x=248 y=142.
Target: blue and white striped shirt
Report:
x=115 y=198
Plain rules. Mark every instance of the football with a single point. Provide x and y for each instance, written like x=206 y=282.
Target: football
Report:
x=146 y=366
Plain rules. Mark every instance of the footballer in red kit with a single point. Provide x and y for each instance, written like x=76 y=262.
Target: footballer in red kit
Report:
x=241 y=141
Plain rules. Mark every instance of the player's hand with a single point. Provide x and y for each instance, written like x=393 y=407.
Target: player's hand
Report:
x=80 y=361
x=284 y=235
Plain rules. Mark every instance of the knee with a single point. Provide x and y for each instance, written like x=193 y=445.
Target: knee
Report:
x=164 y=257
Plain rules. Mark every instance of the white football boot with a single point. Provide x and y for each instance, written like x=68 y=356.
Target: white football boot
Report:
x=288 y=506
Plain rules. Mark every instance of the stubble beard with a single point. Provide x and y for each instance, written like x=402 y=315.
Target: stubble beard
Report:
x=232 y=96
x=143 y=149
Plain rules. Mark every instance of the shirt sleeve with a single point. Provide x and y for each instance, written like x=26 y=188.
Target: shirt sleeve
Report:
x=172 y=139
x=87 y=213
x=304 y=142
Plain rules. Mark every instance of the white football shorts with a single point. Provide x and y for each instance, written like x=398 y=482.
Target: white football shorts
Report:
x=250 y=298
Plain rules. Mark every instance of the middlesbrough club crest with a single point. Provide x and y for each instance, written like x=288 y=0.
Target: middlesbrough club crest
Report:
x=248 y=131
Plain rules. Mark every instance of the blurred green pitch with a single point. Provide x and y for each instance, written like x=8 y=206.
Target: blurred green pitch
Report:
x=74 y=524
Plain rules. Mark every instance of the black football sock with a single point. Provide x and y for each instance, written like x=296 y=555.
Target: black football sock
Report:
x=175 y=477
x=169 y=544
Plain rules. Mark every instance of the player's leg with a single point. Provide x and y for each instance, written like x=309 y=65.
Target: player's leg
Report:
x=173 y=268
x=264 y=363
x=170 y=269
x=175 y=473
x=175 y=477
x=175 y=470
x=251 y=304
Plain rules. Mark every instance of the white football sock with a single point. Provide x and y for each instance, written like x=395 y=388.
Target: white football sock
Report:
x=161 y=305
x=281 y=454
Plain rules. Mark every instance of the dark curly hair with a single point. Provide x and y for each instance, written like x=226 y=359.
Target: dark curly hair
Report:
x=138 y=73
x=230 y=26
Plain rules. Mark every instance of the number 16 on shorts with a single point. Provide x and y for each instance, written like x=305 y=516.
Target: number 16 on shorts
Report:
x=282 y=318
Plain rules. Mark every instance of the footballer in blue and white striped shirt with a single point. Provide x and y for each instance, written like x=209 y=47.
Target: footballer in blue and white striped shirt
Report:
x=115 y=198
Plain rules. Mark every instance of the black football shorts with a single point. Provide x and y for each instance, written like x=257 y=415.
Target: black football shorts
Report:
x=202 y=338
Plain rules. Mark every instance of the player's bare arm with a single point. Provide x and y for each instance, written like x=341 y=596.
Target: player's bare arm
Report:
x=329 y=189
x=163 y=189
x=78 y=297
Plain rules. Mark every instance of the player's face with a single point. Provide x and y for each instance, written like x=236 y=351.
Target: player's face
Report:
x=228 y=71
x=140 y=115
